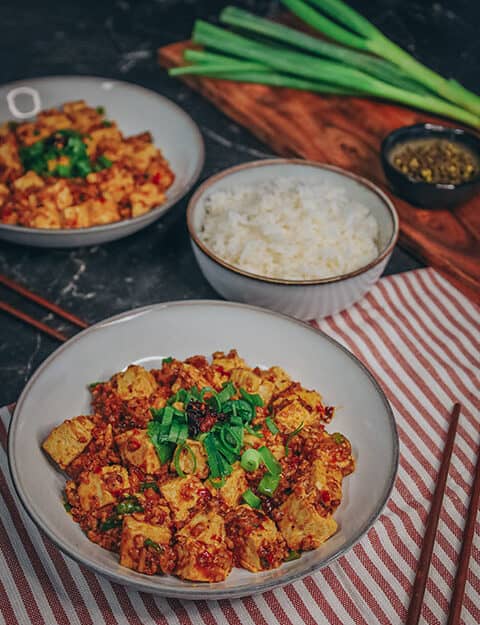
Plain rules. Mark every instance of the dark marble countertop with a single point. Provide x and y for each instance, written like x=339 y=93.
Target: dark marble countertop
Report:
x=119 y=39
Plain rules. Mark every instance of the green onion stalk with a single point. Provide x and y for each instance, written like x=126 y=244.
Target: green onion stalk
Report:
x=233 y=70
x=369 y=38
x=379 y=68
x=317 y=69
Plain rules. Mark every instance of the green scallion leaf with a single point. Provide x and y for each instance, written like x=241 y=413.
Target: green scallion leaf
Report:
x=218 y=483
x=252 y=398
x=145 y=485
x=268 y=484
x=148 y=542
x=159 y=439
x=291 y=435
x=251 y=499
x=167 y=361
x=93 y=385
x=250 y=460
x=269 y=460
x=128 y=506
x=226 y=393
x=110 y=523
x=269 y=422
x=293 y=555
x=176 y=459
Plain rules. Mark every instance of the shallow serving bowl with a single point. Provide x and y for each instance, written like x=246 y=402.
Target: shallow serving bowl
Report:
x=306 y=299
x=144 y=336
x=136 y=110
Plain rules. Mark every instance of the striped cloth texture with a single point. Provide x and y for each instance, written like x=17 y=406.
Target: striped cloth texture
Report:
x=420 y=337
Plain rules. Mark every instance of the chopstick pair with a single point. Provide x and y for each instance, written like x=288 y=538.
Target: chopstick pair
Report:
x=420 y=582
x=39 y=325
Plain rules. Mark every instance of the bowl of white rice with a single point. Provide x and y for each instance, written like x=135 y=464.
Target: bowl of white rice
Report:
x=299 y=237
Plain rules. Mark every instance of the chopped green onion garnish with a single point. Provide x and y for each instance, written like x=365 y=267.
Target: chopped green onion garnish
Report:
x=152 y=485
x=231 y=438
x=176 y=459
x=128 y=506
x=338 y=438
x=218 y=483
x=251 y=499
x=175 y=430
x=104 y=162
x=204 y=391
x=110 y=523
x=250 y=460
x=167 y=361
x=167 y=416
x=269 y=422
x=94 y=384
x=269 y=460
x=159 y=439
x=268 y=484
x=100 y=110
x=253 y=399
x=215 y=402
x=291 y=435
x=213 y=459
x=293 y=555
x=151 y=543
x=66 y=505
x=252 y=431
x=226 y=393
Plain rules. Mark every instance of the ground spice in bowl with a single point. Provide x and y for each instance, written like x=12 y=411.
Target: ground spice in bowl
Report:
x=436 y=161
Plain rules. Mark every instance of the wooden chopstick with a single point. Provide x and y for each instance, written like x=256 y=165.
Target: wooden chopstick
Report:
x=462 y=570
x=18 y=288
x=33 y=322
x=420 y=582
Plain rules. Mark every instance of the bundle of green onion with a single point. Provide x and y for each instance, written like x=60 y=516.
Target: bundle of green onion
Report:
x=365 y=63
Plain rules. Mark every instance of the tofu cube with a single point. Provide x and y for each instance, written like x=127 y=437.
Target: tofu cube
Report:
x=97 y=489
x=327 y=481
x=145 y=547
x=184 y=495
x=136 y=449
x=252 y=383
x=68 y=440
x=134 y=382
x=246 y=379
x=202 y=552
x=278 y=377
x=235 y=485
x=227 y=362
x=302 y=526
x=258 y=545
x=292 y=415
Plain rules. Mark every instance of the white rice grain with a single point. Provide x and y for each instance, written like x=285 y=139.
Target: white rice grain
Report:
x=289 y=229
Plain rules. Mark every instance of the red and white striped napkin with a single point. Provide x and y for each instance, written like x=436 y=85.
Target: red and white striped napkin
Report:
x=421 y=338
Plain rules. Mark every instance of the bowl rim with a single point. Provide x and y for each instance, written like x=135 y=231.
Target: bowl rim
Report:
x=157 y=211
x=192 y=204
x=400 y=135
x=208 y=590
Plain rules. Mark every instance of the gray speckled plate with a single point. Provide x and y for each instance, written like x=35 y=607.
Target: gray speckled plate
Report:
x=135 y=109
x=58 y=390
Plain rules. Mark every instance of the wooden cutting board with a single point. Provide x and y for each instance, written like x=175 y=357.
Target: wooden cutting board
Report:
x=347 y=132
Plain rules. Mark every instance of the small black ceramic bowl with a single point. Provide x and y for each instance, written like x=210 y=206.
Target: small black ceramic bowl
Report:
x=425 y=194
